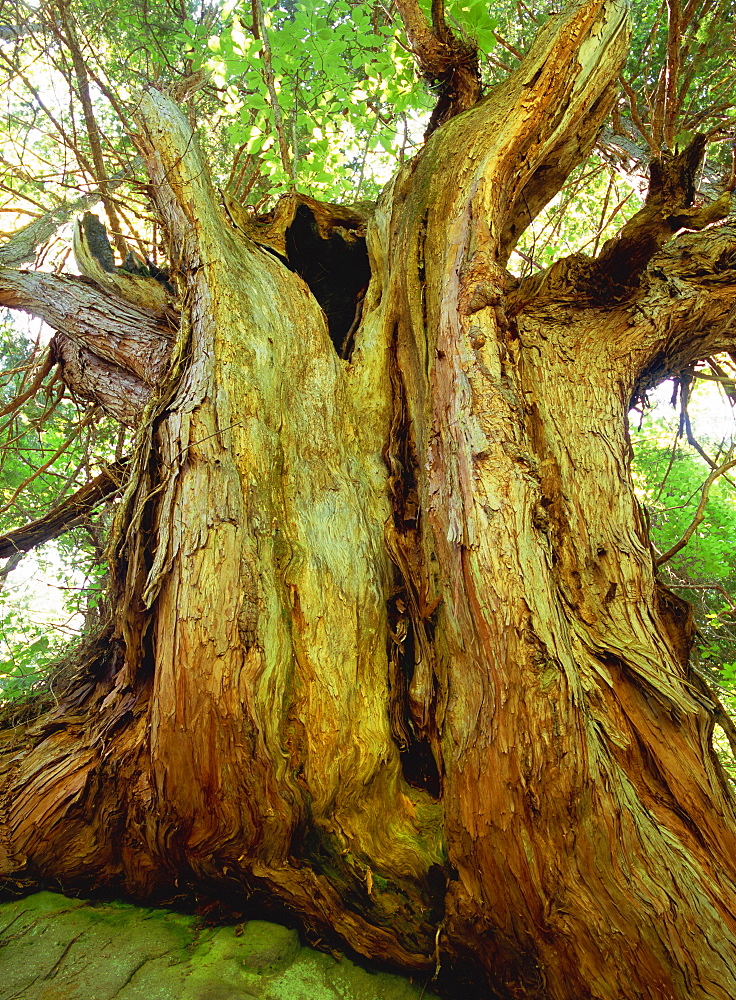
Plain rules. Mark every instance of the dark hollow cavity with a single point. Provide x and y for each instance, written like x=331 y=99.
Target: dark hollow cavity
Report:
x=337 y=272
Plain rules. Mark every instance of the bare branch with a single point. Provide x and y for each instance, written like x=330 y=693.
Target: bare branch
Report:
x=80 y=70
x=672 y=72
x=23 y=246
x=65 y=515
x=10 y=565
x=35 y=385
x=699 y=514
x=64 y=446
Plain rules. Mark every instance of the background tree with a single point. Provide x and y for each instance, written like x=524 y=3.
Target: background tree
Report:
x=386 y=641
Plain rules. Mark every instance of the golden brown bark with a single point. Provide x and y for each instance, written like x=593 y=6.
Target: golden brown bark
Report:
x=389 y=647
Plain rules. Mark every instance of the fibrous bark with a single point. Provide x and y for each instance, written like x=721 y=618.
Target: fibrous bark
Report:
x=389 y=647
x=112 y=350
x=448 y=62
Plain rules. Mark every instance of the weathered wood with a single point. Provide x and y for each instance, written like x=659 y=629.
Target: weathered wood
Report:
x=389 y=647
x=111 y=350
x=127 y=335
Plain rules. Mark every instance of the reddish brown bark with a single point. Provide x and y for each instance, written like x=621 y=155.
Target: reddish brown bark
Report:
x=388 y=645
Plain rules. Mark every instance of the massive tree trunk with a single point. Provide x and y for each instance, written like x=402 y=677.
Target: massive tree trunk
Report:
x=387 y=646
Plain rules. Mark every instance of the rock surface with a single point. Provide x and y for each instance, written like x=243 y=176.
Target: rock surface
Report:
x=56 y=948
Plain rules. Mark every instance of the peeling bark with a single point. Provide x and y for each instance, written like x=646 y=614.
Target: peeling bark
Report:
x=448 y=63
x=388 y=646
x=111 y=350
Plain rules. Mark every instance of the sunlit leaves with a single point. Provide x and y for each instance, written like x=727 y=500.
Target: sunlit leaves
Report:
x=476 y=19
x=343 y=80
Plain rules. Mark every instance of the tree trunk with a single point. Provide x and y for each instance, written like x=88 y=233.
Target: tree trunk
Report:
x=388 y=647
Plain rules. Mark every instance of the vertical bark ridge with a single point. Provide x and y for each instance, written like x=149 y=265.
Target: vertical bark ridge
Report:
x=260 y=757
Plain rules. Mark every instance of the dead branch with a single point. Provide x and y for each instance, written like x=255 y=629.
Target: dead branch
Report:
x=669 y=207
x=66 y=514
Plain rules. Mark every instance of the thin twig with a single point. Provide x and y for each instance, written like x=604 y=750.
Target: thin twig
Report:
x=59 y=451
x=43 y=371
x=270 y=81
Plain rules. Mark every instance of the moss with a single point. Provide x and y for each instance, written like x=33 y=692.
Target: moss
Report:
x=55 y=947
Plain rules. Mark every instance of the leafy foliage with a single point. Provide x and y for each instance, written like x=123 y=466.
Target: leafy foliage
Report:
x=591 y=208
x=344 y=86
x=47 y=450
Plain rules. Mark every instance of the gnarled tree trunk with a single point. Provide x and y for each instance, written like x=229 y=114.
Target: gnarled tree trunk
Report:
x=388 y=646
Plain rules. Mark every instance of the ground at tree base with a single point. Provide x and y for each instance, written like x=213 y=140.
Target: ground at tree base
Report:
x=53 y=947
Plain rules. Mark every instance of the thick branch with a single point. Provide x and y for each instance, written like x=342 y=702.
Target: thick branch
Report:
x=65 y=515
x=111 y=351
x=120 y=393
x=118 y=331
x=427 y=46
x=669 y=207
x=448 y=63
x=543 y=121
x=682 y=310
x=685 y=309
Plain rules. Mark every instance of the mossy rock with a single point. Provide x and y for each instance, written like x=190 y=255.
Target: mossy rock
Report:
x=56 y=948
